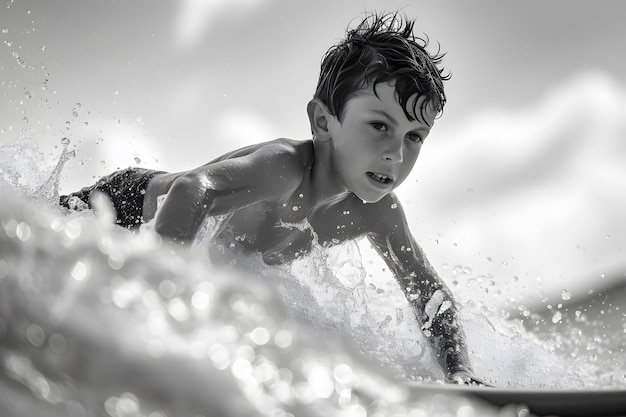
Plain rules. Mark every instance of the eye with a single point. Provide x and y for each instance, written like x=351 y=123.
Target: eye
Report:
x=379 y=126
x=415 y=137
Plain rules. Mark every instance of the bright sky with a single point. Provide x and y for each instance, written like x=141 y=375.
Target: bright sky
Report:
x=526 y=166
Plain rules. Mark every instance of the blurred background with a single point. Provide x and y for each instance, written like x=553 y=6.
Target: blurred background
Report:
x=519 y=194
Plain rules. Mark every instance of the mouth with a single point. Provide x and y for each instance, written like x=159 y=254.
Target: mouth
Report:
x=383 y=179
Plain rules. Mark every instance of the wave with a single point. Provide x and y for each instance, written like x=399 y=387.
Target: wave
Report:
x=95 y=319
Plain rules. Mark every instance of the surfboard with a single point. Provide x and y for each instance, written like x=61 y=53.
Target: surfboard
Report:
x=563 y=403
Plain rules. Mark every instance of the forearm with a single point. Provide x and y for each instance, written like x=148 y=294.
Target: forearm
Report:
x=436 y=310
x=446 y=335
x=430 y=298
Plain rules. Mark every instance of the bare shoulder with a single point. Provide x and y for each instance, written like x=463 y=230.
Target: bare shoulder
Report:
x=285 y=158
x=274 y=164
x=273 y=167
x=298 y=151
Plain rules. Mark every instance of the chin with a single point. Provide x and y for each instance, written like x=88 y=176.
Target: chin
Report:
x=370 y=199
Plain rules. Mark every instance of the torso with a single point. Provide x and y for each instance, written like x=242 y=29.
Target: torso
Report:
x=283 y=230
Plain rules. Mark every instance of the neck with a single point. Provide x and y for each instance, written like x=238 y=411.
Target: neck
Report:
x=325 y=187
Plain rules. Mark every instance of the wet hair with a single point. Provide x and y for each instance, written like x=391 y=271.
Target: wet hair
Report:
x=382 y=48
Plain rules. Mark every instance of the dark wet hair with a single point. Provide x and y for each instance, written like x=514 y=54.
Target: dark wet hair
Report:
x=382 y=48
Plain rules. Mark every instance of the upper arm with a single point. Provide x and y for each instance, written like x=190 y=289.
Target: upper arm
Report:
x=270 y=172
x=393 y=240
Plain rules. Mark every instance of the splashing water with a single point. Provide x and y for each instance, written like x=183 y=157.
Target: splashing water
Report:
x=95 y=320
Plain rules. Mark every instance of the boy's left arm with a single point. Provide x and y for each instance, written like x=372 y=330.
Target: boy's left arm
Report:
x=429 y=296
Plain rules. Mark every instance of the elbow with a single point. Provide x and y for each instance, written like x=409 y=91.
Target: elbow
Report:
x=191 y=189
x=185 y=207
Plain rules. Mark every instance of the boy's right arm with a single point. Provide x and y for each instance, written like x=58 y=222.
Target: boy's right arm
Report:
x=271 y=172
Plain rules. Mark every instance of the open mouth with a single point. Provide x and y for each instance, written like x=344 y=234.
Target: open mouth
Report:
x=383 y=179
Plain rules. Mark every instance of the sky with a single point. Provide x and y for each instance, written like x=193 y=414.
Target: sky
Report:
x=522 y=179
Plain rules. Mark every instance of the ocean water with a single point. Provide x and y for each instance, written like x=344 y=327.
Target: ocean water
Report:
x=98 y=321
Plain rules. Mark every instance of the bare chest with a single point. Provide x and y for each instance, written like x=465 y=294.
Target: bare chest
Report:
x=283 y=232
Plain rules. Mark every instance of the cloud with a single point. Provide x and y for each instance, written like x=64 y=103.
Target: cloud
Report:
x=196 y=16
x=540 y=191
x=238 y=127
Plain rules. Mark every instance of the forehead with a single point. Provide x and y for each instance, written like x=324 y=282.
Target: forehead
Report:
x=384 y=97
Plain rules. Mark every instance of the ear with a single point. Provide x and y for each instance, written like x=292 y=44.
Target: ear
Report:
x=320 y=119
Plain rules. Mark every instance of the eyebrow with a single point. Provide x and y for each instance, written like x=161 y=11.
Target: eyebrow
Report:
x=385 y=114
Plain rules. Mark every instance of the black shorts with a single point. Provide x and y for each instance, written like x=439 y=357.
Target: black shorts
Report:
x=125 y=188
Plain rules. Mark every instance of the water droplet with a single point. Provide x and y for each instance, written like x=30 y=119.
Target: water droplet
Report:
x=394 y=206
x=283 y=338
x=28 y=94
x=260 y=336
x=35 y=335
x=23 y=231
x=565 y=295
x=137 y=160
x=80 y=271
x=557 y=317
x=18 y=59
x=43 y=47
x=295 y=208
x=167 y=288
x=200 y=300
x=65 y=141
x=219 y=356
x=603 y=275
x=178 y=309
x=58 y=344
x=5 y=31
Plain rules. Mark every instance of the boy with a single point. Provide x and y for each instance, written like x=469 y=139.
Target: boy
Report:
x=377 y=98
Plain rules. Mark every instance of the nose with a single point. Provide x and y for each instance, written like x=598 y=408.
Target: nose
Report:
x=393 y=152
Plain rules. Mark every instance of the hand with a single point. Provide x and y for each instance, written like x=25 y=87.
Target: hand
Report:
x=464 y=378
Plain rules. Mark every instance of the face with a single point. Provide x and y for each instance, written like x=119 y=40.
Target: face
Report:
x=375 y=146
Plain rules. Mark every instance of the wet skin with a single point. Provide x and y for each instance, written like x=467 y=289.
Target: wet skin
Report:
x=342 y=183
x=361 y=158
